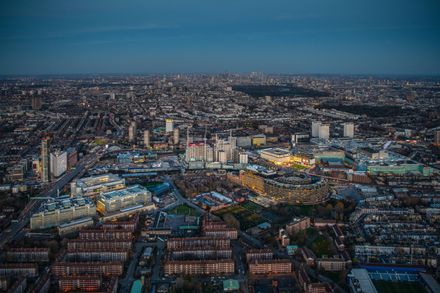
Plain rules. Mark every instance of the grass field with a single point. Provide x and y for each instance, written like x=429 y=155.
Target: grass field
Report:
x=245 y=216
x=321 y=246
x=183 y=210
x=401 y=287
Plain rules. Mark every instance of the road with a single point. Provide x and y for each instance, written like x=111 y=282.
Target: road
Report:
x=125 y=283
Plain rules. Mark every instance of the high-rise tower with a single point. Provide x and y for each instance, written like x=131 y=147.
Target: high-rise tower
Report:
x=45 y=160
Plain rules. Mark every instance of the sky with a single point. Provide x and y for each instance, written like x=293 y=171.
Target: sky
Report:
x=211 y=36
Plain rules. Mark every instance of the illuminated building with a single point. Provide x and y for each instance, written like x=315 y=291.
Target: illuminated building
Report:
x=276 y=155
x=117 y=200
x=349 y=129
x=199 y=267
x=169 y=125
x=45 y=160
x=271 y=266
x=92 y=186
x=62 y=210
x=299 y=189
x=259 y=140
x=315 y=128
x=83 y=283
x=324 y=131
x=146 y=139
x=58 y=163
x=88 y=268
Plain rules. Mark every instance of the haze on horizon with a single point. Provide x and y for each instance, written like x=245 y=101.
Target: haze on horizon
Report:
x=280 y=36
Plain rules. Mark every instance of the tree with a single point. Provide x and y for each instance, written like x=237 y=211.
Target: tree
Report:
x=231 y=220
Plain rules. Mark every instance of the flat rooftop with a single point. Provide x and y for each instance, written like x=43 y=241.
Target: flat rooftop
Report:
x=96 y=180
x=363 y=280
x=131 y=190
x=276 y=152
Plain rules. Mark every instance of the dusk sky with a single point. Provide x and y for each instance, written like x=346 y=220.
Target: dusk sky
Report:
x=151 y=36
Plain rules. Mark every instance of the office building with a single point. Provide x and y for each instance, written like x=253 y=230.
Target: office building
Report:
x=62 y=210
x=258 y=140
x=146 y=139
x=243 y=158
x=276 y=155
x=58 y=163
x=36 y=103
x=45 y=160
x=94 y=185
x=437 y=138
x=324 y=131
x=315 y=128
x=117 y=200
x=176 y=134
x=349 y=129
x=169 y=125
x=132 y=131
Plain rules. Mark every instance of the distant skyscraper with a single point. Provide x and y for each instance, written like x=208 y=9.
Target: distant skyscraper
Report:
x=45 y=167
x=146 y=138
x=324 y=131
x=243 y=159
x=169 y=125
x=349 y=129
x=36 y=103
x=58 y=163
x=315 y=128
x=132 y=132
x=176 y=134
x=437 y=137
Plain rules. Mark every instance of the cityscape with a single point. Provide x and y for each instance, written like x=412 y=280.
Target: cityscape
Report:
x=225 y=180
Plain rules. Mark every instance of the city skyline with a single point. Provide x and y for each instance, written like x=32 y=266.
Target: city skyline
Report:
x=297 y=37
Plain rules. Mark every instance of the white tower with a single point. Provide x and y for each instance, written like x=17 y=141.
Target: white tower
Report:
x=315 y=128
x=176 y=134
x=132 y=132
x=169 y=125
x=146 y=138
x=324 y=131
x=349 y=129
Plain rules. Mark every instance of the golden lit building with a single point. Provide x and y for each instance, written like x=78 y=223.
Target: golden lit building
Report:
x=296 y=189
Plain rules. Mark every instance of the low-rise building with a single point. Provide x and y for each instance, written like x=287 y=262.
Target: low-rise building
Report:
x=271 y=266
x=199 y=267
x=92 y=186
x=118 y=200
x=62 y=210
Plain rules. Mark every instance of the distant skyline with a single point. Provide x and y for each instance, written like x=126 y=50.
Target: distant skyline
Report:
x=164 y=36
